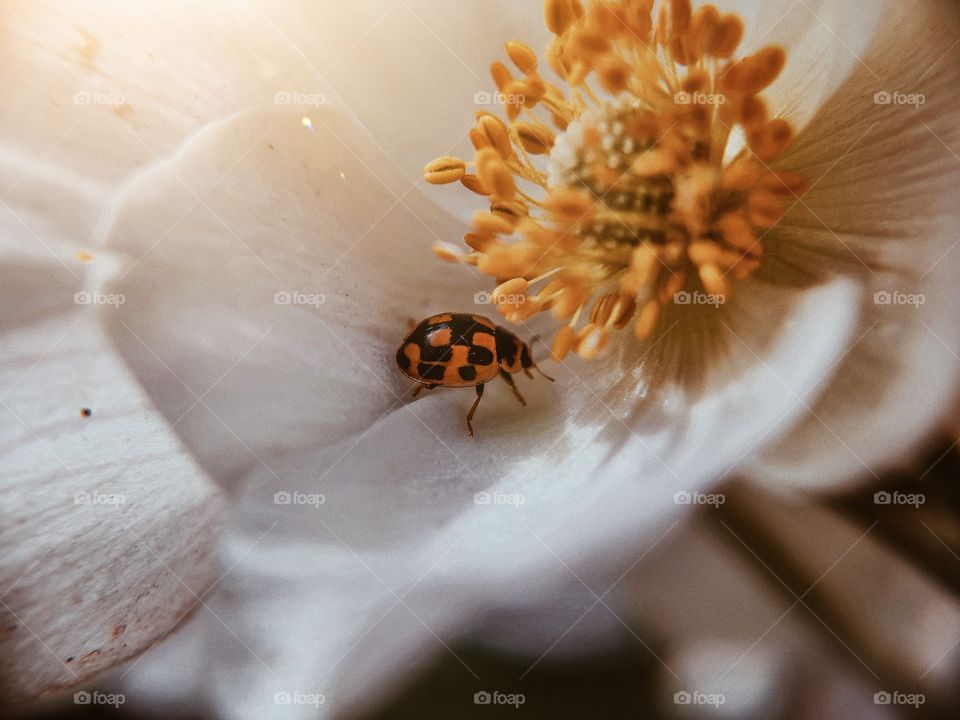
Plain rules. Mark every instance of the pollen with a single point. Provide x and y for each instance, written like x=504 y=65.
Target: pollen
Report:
x=620 y=184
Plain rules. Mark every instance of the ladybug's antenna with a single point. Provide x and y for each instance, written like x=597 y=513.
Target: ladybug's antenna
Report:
x=535 y=366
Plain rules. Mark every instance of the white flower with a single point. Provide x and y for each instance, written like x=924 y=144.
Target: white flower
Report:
x=269 y=251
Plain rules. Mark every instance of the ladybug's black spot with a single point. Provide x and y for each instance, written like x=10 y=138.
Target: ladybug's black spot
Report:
x=479 y=356
x=429 y=371
x=402 y=359
x=418 y=335
x=429 y=353
x=468 y=373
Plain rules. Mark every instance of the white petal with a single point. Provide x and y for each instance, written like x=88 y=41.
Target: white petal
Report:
x=824 y=39
x=107 y=527
x=882 y=208
x=266 y=251
x=84 y=584
x=95 y=90
x=285 y=398
x=410 y=71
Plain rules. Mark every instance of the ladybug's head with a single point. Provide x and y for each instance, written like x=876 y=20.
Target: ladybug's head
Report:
x=526 y=359
x=514 y=354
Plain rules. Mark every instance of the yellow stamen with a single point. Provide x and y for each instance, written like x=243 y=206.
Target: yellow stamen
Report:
x=558 y=15
x=444 y=170
x=563 y=343
x=494 y=173
x=477 y=241
x=516 y=286
x=522 y=56
x=472 y=183
x=535 y=140
x=495 y=133
x=488 y=223
x=633 y=197
x=448 y=252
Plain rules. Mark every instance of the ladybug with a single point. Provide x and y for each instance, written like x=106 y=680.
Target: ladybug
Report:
x=459 y=350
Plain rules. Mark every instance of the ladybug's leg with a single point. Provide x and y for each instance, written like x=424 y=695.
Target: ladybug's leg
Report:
x=474 y=409
x=419 y=387
x=506 y=376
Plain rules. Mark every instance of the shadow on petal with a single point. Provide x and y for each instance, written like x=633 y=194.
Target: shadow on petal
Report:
x=882 y=209
x=30 y=292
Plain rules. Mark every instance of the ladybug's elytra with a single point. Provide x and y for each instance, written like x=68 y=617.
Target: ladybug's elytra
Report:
x=459 y=350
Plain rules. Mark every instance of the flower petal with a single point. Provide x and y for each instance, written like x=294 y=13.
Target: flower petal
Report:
x=95 y=90
x=422 y=107
x=266 y=250
x=824 y=40
x=107 y=526
x=882 y=208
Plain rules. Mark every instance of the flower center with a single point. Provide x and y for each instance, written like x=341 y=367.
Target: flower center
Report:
x=634 y=194
x=597 y=153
